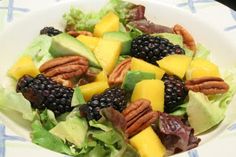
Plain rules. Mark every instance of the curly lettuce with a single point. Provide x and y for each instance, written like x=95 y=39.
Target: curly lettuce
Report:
x=86 y=21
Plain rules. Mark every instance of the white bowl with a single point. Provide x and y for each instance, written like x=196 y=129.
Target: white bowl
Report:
x=19 y=34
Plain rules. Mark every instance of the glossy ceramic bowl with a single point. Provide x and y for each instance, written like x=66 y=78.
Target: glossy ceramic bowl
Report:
x=19 y=34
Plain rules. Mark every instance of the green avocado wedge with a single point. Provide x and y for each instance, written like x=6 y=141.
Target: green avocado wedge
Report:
x=133 y=77
x=202 y=114
x=123 y=37
x=66 y=45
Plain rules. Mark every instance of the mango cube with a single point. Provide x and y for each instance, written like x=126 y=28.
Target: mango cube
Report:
x=152 y=90
x=202 y=68
x=175 y=64
x=107 y=53
x=109 y=23
x=148 y=144
x=90 y=42
x=101 y=77
x=24 y=65
x=140 y=65
x=88 y=90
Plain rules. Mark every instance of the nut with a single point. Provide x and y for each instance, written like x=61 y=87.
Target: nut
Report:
x=88 y=77
x=138 y=116
x=77 y=33
x=187 y=37
x=118 y=74
x=64 y=68
x=66 y=83
x=207 y=85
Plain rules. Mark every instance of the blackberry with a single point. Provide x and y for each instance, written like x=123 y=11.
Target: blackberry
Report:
x=153 y=48
x=175 y=92
x=50 y=31
x=42 y=92
x=115 y=97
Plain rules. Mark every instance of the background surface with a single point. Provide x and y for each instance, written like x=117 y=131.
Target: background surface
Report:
x=229 y=3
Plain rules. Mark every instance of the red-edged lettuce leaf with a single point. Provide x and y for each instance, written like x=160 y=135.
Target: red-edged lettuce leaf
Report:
x=175 y=134
x=149 y=27
x=116 y=118
x=136 y=18
x=136 y=13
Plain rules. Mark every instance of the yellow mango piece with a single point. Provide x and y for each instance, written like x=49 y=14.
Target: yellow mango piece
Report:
x=88 y=90
x=90 y=42
x=140 y=65
x=152 y=90
x=107 y=53
x=148 y=144
x=202 y=68
x=24 y=65
x=175 y=64
x=101 y=77
x=109 y=23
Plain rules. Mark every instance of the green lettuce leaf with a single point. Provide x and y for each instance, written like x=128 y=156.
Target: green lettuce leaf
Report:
x=134 y=32
x=39 y=49
x=95 y=124
x=107 y=132
x=77 y=98
x=225 y=99
x=42 y=137
x=202 y=52
x=74 y=130
x=97 y=151
x=47 y=119
x=180 y=110
x=12 y=101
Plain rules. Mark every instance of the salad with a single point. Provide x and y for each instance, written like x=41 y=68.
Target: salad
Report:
x=114 y=84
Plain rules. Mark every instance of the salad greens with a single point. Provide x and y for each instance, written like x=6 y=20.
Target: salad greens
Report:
x=72 y=134
x=10 y=100
x=86 y=21
x=77 y=98
x=73 y=129
x=39 y=49
x=42 y=137
x=47 y=119
x=202 y=52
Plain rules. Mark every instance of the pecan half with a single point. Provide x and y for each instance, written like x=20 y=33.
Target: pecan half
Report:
x=118 y=74
x=88 y=77
x=77 y=33
x=187 y=37
x=138 y=116
x=207 y=85
x=64 y=68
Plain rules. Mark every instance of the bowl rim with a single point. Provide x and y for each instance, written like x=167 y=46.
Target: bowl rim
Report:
x=11 y=25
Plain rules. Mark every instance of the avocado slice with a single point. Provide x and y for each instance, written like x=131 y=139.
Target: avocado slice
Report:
x=66 y=45
x=73 y=130
x=173 y=38
x=202 y=114
x=123 y=37
x=133 y=77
